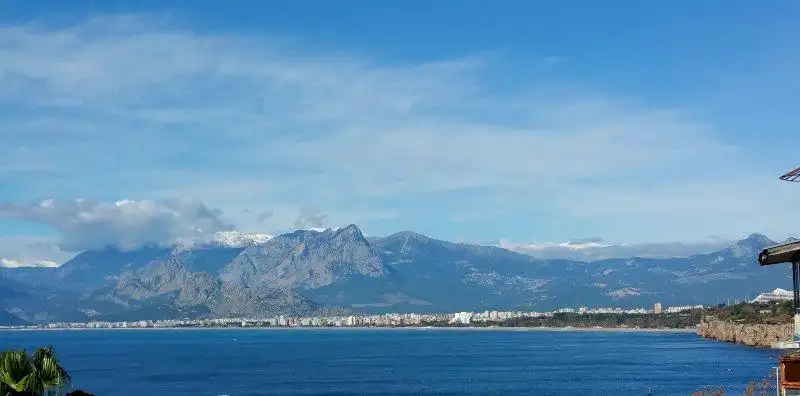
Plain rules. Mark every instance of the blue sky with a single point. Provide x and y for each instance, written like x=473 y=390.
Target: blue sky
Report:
x=470 y=120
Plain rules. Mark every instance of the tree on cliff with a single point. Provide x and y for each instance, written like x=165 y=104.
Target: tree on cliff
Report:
x=36 y=374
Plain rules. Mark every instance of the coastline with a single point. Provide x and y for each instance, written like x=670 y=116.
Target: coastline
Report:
x=760 y=335
x=409 y=328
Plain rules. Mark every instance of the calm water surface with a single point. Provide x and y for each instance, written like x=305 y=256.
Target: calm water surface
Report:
x=383 y=362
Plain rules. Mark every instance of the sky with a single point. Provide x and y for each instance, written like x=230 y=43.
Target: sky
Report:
x=137 y=122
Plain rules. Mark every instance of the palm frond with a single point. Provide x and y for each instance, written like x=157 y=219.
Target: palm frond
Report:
x=16 y=369
x=39 y=373
x=50 y=371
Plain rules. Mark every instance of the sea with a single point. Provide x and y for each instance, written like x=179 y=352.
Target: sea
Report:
x=240 y=362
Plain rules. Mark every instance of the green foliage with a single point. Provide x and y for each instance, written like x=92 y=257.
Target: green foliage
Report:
x=755 y=313
x=36 y=374
x=679 y=320
x=746 y=313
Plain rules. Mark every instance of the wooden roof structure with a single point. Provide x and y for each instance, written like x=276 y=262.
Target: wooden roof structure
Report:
x=790 y=371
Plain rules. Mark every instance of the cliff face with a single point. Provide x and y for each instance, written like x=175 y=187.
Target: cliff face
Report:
x=760 y=335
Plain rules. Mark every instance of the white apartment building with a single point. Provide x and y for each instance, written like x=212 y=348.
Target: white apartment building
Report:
x=775 y=295
x=463 y=317
x=681 y=308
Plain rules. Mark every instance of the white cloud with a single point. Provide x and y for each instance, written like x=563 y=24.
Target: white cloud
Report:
x=11 y=263
x=31 y=251
x=310 y=216
x=598 y=250
x=126 y=224
x=136 y=106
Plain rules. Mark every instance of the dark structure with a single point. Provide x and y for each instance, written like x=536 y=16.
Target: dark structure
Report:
x=787 y=252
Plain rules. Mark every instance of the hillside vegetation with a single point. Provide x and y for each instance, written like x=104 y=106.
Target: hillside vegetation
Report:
x=741 y=314
x=754 y=313
x=680 y=320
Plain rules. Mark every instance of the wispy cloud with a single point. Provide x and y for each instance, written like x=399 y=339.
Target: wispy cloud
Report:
x=309 y=216
x=135 y=106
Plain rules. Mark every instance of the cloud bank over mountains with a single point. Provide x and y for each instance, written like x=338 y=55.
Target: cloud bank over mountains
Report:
x=85 y=225
x=596 y=249
x=128 y=225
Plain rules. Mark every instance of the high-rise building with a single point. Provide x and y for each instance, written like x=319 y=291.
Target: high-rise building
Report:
x=657 y=308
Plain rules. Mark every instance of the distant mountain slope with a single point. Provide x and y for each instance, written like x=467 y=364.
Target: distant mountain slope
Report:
x=10 y=288
x=211 y=259
x=433 y=275
x=35 y=303
x=89 y=269
x=732 y=273
x=9 y=319
x=459 y=276
x=169 y=288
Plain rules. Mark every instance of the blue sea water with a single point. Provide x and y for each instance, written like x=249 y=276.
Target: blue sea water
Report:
x=242 y=362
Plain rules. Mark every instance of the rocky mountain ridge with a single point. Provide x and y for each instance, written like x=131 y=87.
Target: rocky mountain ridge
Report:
x=304 y=259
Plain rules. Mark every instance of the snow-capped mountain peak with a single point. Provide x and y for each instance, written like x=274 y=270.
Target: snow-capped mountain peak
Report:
x=237 y=239
x=225 y=239
x=320 y=229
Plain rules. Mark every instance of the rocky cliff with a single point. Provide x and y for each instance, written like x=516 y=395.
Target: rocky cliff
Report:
x=754 y=334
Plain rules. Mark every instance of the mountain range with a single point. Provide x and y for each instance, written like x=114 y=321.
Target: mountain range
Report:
x=333 y=271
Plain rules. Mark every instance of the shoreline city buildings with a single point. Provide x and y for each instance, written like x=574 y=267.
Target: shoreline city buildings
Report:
x=379 y=320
